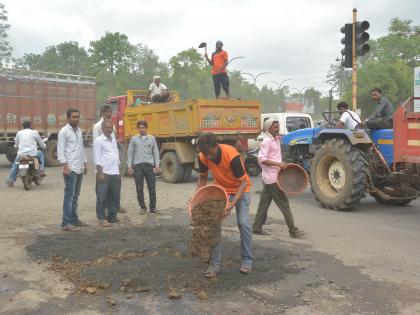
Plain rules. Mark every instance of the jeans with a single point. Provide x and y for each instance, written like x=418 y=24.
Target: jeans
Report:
x=242 y=213
x=72 y=186
x=15 y=169
x=108 y=196
x=270 y=192
x=142 y=171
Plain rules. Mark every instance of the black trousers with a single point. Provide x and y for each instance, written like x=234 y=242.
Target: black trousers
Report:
x=108 y=196
x=141 y=172
x=380 y=123
x=220 y=80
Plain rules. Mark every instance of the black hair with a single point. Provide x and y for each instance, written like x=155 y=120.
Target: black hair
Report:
x=142 y=123
x=71 y=111
x=378 y=90
x=26 y=125
x=206 y=141
x=342 y=105
x=106 y=121
x=105 y=108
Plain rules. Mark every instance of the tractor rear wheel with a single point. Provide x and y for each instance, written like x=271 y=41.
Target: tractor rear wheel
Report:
x=339 y=175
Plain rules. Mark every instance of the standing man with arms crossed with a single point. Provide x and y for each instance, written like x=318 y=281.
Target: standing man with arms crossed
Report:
x=143 y=161
x=228 y=171
x=71 y=154
x=108 y=180
x=219 y=61
x=271 y=163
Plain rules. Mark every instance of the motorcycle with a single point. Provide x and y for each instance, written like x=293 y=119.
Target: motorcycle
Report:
x=29 y=171
x=251 y=162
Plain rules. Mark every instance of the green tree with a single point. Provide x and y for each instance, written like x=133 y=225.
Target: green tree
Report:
x=5 y=48
x=112 y=51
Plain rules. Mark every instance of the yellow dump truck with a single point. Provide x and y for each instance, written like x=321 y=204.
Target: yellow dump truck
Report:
x=177 y=125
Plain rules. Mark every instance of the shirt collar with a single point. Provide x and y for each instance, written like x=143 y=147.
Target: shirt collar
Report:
x=71 y=128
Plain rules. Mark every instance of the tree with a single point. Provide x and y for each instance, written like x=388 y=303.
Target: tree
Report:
x=112 y=51
x=5 y=48
x=67 y=57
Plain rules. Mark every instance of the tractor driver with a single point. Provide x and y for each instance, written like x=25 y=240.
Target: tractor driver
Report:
x=348 y=118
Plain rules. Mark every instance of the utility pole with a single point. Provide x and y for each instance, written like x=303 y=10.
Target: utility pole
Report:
x=353 y=61
x=330 y=97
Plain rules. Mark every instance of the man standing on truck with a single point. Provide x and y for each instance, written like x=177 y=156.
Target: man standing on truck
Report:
x=71 y=154
x=219 y=61
x=108 y=180
x=27 y=142
x=143 y=161
x=271 y=163
x=228 y=171
x=382 y=118
x=348 y=118
x=158 y=92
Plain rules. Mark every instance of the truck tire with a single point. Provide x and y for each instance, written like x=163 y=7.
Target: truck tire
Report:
x=187 y=173
x=51 y=154
x=172 y=170
x=339 y=175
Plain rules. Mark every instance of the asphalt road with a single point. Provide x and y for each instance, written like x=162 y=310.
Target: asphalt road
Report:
x=365 y=261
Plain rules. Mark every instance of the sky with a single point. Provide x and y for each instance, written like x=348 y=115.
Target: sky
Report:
x=293 y=40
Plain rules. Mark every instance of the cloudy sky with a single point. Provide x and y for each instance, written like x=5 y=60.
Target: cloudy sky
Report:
x=294 y=40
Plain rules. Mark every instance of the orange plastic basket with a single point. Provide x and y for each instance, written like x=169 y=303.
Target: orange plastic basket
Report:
x=206 y=193
x=293 y=180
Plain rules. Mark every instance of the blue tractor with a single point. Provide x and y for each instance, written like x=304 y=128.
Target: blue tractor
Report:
x=345 y=165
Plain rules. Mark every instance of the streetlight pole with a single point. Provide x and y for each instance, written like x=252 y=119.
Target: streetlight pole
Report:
x=255 y=77
x=279 y=85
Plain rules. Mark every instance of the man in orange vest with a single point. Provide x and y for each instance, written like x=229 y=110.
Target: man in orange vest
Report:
x=219 y=61
x=228 y=171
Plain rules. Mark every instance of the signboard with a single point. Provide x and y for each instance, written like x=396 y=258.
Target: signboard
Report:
x=417 y=89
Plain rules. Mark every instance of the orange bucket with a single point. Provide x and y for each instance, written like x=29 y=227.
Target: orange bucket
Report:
x=293 y=180
x=206 y=193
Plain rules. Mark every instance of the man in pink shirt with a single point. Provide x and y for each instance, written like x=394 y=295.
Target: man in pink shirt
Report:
x=271 y=163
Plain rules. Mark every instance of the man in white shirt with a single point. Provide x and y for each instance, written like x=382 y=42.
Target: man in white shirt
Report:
x=108 y=180
x=348 y=118
x=27 y=142
x=106 y=114
x=158 y=92
x=71 y=154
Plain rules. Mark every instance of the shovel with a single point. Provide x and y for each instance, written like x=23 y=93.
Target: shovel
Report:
x=203 y=45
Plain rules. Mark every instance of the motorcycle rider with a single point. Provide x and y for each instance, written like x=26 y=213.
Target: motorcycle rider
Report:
x=27 y=142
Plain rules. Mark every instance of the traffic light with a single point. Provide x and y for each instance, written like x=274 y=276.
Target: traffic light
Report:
x=347 y=51
x=361 y=38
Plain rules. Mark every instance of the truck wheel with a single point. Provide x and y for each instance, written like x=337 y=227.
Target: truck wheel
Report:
x=11 y=155
x=187 y=173
x=339 y=175
x=51 y=154
x=172 y=170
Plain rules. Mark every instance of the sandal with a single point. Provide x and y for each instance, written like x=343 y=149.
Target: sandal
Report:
x=210 y=273
x=246 y=270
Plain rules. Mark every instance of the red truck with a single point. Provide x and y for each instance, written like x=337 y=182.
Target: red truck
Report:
x=43 y=98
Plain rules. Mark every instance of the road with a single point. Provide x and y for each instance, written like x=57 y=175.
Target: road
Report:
x=365 y=261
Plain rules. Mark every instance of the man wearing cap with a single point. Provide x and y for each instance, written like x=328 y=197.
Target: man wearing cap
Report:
x=227 y=168
x=219 y=62
x=270 y=159
x=158 y=92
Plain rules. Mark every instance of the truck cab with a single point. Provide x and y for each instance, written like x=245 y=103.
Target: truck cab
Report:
x=289 y=122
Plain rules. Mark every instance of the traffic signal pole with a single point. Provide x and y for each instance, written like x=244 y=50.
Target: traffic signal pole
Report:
x=354 y=51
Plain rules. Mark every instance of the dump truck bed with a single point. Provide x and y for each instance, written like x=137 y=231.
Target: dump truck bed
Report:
x=189 y=118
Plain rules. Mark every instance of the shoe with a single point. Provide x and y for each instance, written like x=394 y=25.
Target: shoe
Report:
x=70 y=228
x=80 y=223
x=42 y=174
x=103 y=223
x=260 y=232
x=122 y=210
x=9 y=183
x=114 y=220
x=154 y=211
x=296 y=233
x=246 y=270
x=143 y=211
x=210 y=273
